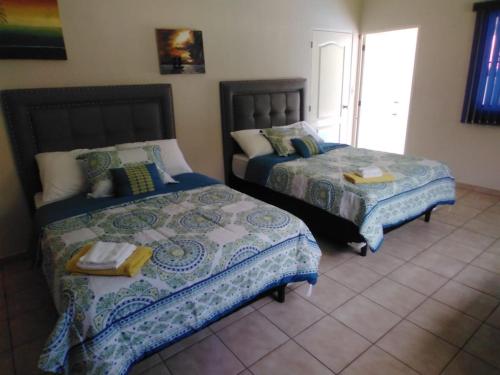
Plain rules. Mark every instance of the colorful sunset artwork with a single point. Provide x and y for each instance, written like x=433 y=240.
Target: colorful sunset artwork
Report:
x=31 y=29
x=180 y=51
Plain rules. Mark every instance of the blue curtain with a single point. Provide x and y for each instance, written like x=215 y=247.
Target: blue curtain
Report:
x=482 y=97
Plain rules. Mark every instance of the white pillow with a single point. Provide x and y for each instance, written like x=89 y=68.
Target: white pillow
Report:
x=171 y=154
x=308 y=128
x=252 y=142
x=61 y=175
x=38 y=200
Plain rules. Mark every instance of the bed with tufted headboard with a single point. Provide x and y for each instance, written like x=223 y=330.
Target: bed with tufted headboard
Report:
x=348 y=212
x=213 y=249
x=63 y=119
x=258 y=105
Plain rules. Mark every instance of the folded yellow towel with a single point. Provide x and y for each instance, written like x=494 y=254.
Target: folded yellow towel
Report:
x=130 y=267
x=353 y=178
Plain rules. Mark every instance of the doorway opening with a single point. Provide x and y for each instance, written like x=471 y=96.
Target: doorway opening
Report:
x=386 y=82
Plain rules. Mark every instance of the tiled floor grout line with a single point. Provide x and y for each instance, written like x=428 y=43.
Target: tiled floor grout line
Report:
x=253 y=363
x=472 y=287
x=470 y=264
x=404 y=318
x=452 y=278
x=457 y=310
x=267 y=354
x=482 y=322
x=462 y=348
x=473 y=217
x=206 y=337
x=350 y=288
x=326 y=312
x=472 y=260
x=360 y=293
x=396 y=358
x=477 y=290
x=428 y=269
x=292 y=338
x=481 y=267
x=366 y=338
x=371 y=343
x=212 y=332
x=312 y=354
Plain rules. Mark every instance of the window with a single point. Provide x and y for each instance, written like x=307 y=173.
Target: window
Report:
x=482 y=96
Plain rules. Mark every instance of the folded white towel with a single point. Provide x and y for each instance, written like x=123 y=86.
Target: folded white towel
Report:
x=106 y=255
x=370 y=172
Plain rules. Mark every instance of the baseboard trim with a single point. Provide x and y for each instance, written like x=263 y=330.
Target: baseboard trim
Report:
x=479 y=189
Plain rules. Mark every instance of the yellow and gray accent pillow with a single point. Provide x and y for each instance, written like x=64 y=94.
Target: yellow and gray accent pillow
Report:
x=136 y=179
x=97 y=166
x=281 y=139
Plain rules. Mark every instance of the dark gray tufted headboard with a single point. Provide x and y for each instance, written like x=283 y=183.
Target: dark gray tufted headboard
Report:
x=62 y=119
x=258 y=105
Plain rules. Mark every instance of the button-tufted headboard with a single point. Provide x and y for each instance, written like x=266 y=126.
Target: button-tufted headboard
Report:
x=258 y=105
x=62 y=119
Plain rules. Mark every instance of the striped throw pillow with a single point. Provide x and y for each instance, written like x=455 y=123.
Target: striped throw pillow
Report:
x=307 y=146
x=136 y=179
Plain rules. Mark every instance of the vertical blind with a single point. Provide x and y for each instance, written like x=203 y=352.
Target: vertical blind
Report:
x=482 y=96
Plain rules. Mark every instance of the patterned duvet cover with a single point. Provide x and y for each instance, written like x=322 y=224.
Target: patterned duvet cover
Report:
x=214 y=250
x=420 y=184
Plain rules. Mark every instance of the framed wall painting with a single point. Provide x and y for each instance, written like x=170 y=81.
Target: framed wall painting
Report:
x=180 y=51
x=31 y=29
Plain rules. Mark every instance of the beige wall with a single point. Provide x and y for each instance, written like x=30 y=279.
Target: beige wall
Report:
x=113 y=42
x=434 y=130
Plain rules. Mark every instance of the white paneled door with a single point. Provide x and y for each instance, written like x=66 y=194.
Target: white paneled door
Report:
x=330 y=84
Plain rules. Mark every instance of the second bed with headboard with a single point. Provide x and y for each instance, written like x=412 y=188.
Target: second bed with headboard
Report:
x=315 y=188
x=213 y=248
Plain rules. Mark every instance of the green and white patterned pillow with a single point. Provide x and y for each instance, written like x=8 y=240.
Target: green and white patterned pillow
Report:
x=281 y=139
x=97 y=166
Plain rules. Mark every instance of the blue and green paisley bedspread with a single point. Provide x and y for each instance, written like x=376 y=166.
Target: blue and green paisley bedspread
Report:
x=420 y=184
x=214 y=249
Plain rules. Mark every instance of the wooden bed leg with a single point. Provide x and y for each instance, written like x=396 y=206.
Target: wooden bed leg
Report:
x=280 y=293
x=364 y=250
x=427 y=217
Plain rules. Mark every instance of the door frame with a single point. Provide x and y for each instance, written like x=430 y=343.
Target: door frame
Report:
x=359 y=77
x=352 y=84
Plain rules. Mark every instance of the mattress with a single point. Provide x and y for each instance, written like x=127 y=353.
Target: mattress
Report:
x=239 y=165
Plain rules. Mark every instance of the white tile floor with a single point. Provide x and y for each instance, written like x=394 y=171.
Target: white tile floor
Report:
x=428 y=302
